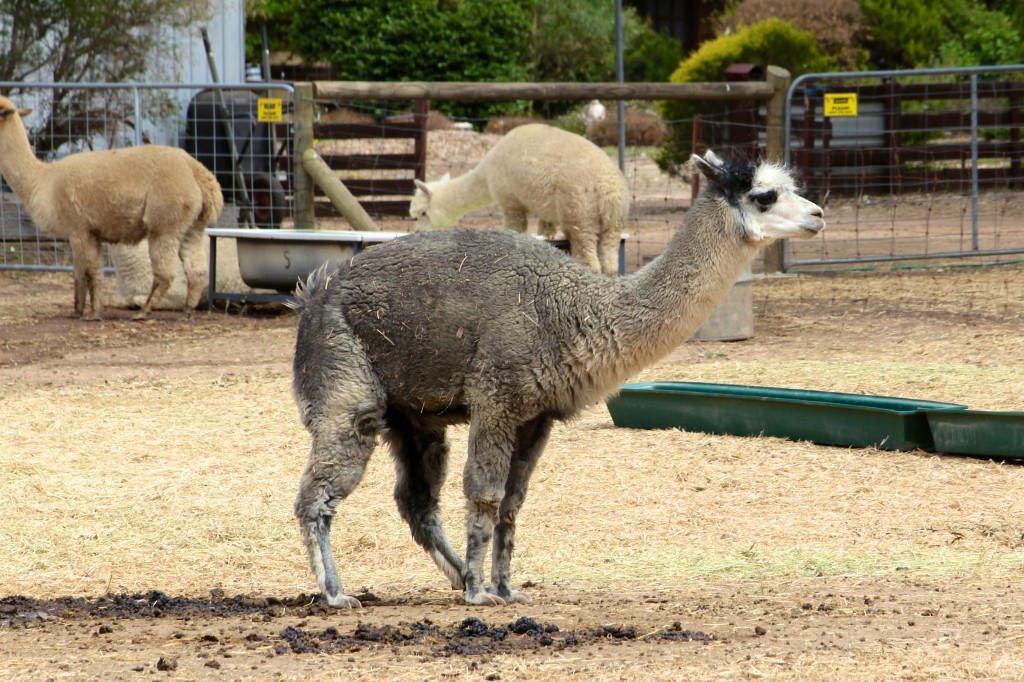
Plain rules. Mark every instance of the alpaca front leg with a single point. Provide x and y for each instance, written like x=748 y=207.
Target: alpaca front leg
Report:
x=483 y=482
x=532 y=437
x=86 y=251
x=480 y=518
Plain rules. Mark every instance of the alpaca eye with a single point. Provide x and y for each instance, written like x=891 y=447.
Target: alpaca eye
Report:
x=764 y=200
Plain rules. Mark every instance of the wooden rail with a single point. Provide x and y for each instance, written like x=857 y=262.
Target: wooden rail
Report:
x=772 y=91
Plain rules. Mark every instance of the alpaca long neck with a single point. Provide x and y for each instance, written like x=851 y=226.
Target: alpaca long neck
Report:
x=464 y=194
x=662 y=305
x=19 y=164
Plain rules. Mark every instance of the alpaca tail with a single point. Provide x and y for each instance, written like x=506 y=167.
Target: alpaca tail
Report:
x=305 y=291
x=213 y=197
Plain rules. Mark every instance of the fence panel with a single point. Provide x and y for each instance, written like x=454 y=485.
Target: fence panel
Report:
x=909 y=165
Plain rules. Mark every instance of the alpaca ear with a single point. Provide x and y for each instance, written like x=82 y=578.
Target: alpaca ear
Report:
x=422 y=186
x=710 y=166
x=446 y=177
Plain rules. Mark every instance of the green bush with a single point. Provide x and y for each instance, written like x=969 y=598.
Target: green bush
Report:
x=648 y=56
x=981 y=37
x=420 y=40
x=920 y=33
x=767 y=43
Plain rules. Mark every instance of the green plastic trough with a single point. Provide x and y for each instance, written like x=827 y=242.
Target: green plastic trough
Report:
x=822 y=417
x=976 y=432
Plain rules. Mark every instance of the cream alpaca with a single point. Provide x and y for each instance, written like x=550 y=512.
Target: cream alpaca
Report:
x=119 y=196
x=563 y=179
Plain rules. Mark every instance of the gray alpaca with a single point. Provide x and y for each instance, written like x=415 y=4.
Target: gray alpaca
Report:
x=497 y=329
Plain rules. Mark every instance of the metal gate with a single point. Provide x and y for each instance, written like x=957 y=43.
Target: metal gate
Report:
x=909 y=165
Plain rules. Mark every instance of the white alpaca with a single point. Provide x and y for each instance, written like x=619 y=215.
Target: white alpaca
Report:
x=490 y=327
x=536 y=169
x=118 y=196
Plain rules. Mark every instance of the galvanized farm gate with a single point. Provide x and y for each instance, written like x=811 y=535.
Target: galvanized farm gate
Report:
x=910 y=165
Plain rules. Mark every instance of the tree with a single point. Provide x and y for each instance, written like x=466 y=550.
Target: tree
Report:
x=74 y=41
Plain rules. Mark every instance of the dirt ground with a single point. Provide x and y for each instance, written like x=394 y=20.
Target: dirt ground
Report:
x=149 y=468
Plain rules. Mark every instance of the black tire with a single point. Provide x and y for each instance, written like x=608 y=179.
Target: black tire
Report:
x=269 y=205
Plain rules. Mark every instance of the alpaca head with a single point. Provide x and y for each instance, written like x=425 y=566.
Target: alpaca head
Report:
x=426 y=212
x=763 y=197
x=10 y=113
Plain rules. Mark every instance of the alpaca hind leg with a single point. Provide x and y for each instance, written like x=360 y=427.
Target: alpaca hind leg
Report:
x=608 y=251
x=583 y=247
x=195 y=265
x=483 y=482
x=163 y=259
x=420 y=453
x=342 y=444
x=515 y=215
x=530 y=443
x=87 y=252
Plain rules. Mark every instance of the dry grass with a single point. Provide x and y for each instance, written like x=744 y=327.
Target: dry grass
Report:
x=125 y=471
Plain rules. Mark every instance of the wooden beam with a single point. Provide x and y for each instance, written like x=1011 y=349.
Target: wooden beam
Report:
x=503 y=92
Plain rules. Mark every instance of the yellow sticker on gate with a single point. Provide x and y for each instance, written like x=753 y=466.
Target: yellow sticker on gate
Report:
x=269 y=109
x=840 y=104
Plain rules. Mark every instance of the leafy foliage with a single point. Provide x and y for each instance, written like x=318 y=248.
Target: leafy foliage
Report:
x=980 y=36
x=918 y=33
x=466 y=40
x=649 y=56
x=838 y=26
x=770 y=42
x=409 y=40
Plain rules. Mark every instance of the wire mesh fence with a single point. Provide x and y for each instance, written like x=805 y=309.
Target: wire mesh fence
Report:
x=219 y=126
x=910 y=165
x=926 y=166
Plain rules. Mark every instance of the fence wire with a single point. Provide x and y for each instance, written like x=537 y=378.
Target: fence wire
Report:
x=69 y=118
x=910 y=165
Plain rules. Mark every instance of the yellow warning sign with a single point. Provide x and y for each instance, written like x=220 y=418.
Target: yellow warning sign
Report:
x=269 y=109
x=840 y=104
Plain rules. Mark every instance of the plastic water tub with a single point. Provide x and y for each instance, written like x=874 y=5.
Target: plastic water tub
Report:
x=977 y=432
x=823 y=417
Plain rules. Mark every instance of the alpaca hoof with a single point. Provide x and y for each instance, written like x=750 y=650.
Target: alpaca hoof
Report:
x=343 y=601
x=485 y=599
x=513 y=596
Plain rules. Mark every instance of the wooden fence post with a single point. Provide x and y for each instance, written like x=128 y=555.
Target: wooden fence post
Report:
x=303 y=141
x=773 y=257
x=775 y=121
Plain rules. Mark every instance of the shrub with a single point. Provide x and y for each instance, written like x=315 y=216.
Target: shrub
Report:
x=770 y=42
x=643 y=129
x=648 y=56
x=904 y=34
x=410 y=40
x=838 y=26
x=981 y=36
